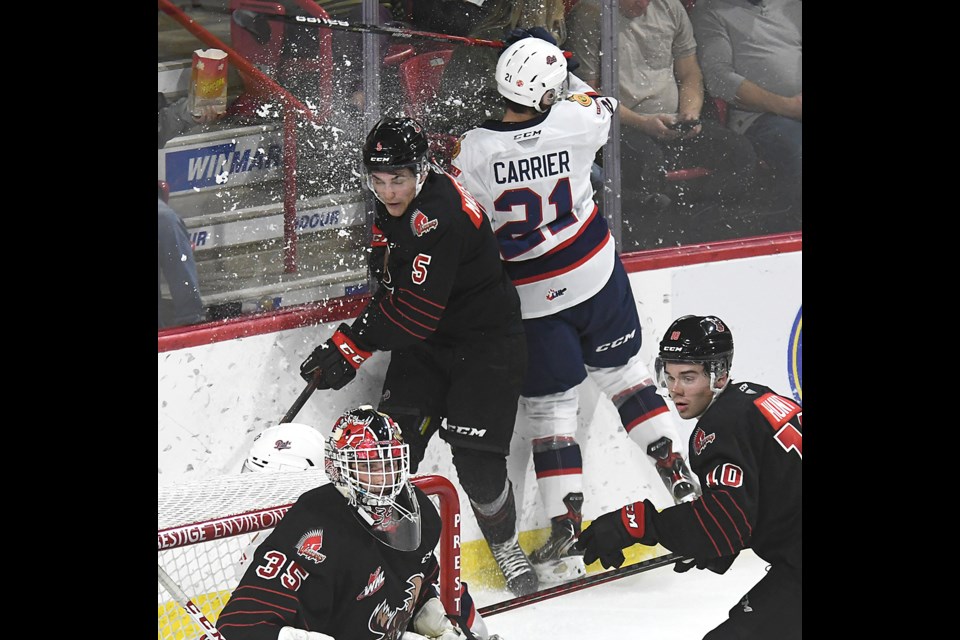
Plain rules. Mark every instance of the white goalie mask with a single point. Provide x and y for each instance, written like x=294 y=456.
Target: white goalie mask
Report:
x=285 y=447
x=369 y=463
x=532 y=72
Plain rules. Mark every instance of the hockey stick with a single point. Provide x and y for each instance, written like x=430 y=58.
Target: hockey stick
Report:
x=253 y=22
x=300 y=401
x=209 y=631
x=577 y=585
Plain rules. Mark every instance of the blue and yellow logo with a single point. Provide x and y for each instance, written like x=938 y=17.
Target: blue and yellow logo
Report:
x=795 y=357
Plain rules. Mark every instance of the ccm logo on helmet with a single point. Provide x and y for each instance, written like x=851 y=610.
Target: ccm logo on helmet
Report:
x=668 y=348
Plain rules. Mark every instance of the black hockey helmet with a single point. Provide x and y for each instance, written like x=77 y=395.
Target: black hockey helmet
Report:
x=704 y=340
x=394 y=143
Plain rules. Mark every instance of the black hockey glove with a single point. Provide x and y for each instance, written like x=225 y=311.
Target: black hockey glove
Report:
x=612 y=532
x=335 y=362
x=519 y=34
x=717 y=565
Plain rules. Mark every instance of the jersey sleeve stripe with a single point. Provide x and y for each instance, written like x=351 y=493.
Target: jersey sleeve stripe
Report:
x=706 y=531
x=430 y=302
x=245 y=626
x=397 y=300
x=401 y=325
x=270 y=592
x=431 y=327
x=703 y=504
x=736 y=505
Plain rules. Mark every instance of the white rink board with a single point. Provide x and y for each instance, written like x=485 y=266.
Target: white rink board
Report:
x=212 y=400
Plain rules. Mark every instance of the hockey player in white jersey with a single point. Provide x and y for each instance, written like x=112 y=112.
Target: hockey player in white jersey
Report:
x=531 y=173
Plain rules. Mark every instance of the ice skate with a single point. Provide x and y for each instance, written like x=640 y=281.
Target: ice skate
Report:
x=674 y=472
x=556 y=561
x=501 y=524
x=513 y=562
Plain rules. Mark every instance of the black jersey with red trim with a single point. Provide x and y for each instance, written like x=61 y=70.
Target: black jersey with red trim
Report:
x=747 y=451
x=322 y=570
x=444 y=281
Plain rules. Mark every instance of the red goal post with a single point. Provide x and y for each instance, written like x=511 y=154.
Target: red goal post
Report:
x=205 y=526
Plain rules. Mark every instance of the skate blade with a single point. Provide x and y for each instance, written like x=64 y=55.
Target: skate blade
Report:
x=562 y=570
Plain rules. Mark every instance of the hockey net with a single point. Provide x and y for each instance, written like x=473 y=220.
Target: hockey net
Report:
x=204 y=528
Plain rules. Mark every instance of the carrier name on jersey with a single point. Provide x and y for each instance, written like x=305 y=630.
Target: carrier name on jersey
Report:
x=532 y=168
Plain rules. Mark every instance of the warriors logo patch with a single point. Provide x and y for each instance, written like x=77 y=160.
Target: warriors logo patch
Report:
x=309 y=546
x=701 y=440
x=421 y=224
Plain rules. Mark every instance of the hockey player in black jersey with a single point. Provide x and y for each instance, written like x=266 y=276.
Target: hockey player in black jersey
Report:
x=352 y=559
x=450 y=316
x=747 y=450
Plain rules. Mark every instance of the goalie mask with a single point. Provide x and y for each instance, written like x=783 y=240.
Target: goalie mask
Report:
x=394 y=144
x=285 y=447
x=532 y=72
x=704 y=340
x=367 y=460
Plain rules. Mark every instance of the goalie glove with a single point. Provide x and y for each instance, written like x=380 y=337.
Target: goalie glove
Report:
x=292 y=633
x=431 y=623
x=612 y=532
x=335 y=362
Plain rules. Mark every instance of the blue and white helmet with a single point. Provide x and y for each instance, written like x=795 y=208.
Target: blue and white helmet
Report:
x=532 y=72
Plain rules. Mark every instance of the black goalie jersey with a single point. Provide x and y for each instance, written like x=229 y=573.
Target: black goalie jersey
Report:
x=444 y=282
x=322 y=570
x=747 y=451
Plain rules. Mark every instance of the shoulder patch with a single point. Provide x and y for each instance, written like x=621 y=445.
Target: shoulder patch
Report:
x=776 y=409
x=421 y=224
x=581 y=99
x=310 y=544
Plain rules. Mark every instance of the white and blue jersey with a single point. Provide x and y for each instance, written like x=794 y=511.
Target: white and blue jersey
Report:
x=533 y=180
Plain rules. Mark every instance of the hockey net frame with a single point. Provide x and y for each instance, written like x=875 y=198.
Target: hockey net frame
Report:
x=205 y=526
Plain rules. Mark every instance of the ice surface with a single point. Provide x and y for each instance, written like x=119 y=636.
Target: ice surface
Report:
x=654 y=605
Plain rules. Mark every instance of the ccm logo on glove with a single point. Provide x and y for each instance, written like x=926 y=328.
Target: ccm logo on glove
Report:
x=350 y=352
x=633 y=519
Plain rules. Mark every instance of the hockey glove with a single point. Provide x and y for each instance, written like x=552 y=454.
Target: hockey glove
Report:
x=335 y=362
x=431 y=622
x=518 y=34
x=606 y=536
x=717 y=565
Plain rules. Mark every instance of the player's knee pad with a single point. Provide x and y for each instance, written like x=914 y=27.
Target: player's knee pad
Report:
x=482 y=474
x=623 y=381
x=551 y=415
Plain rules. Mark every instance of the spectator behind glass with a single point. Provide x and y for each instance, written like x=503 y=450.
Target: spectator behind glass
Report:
x=661 y=99
x=175 y=264
x=751 y=52
x=175 y=261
